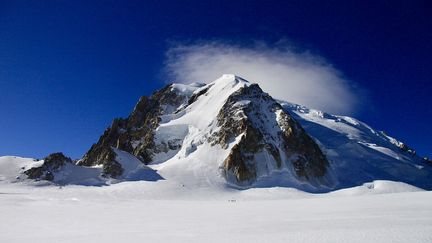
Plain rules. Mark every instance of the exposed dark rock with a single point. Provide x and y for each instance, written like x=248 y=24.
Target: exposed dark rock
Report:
x=243 y=114
x=195 y=96
x=275 y=153
x=52 y=163
x=309 y=161
x=402 y=146
x=112 y=169
x=236 y=163
x=405 y=148
x=134 y=134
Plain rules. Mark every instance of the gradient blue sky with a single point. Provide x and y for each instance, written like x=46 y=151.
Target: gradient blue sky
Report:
x=67 y=68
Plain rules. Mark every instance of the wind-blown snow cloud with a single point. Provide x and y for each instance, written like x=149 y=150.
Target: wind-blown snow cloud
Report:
x=298 y=77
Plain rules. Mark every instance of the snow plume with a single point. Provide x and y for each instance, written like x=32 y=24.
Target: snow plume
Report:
x=283 y=72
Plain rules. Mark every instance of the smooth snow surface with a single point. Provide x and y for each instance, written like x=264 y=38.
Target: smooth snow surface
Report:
x=168 y=211
x=130 y=212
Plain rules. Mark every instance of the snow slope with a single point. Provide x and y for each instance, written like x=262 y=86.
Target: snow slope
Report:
x=358 y=153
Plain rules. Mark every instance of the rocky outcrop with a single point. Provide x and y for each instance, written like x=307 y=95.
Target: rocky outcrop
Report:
x=134 y=134
x=51 y=164
x=262 y=126
x=197 y=94
x=402 y=146
x=307 y=158
x=405 y=148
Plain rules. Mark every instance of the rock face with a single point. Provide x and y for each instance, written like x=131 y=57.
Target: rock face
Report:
x=134 y=134
x=52 y=163
x=268 y=137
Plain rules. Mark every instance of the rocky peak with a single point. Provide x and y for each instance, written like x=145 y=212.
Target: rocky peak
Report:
x=135 y=134
x=52 y=163
x=260 y=135
x=268 y=139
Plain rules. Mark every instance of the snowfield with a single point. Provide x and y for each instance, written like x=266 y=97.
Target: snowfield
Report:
x=140 y=211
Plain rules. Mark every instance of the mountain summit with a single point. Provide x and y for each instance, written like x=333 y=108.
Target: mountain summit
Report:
x=251 y=134
x=231 y=133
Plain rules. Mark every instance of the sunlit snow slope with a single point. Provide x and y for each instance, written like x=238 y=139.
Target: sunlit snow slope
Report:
x=358 y=153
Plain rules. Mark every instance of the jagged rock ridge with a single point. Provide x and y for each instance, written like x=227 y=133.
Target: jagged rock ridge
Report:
x=134 y=134
x=266 y=128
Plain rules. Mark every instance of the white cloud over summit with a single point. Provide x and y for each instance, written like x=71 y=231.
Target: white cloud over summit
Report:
x=298 y=77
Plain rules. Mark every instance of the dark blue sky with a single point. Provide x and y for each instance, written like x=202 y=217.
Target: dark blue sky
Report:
x=67 y=68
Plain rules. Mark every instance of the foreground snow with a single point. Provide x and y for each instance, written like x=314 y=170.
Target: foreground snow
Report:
x=129 y=212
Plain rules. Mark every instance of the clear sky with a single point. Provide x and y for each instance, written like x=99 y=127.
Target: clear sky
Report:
x=67 y=68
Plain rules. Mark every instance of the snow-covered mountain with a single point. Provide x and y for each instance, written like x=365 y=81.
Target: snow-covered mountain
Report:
x=231 y=133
